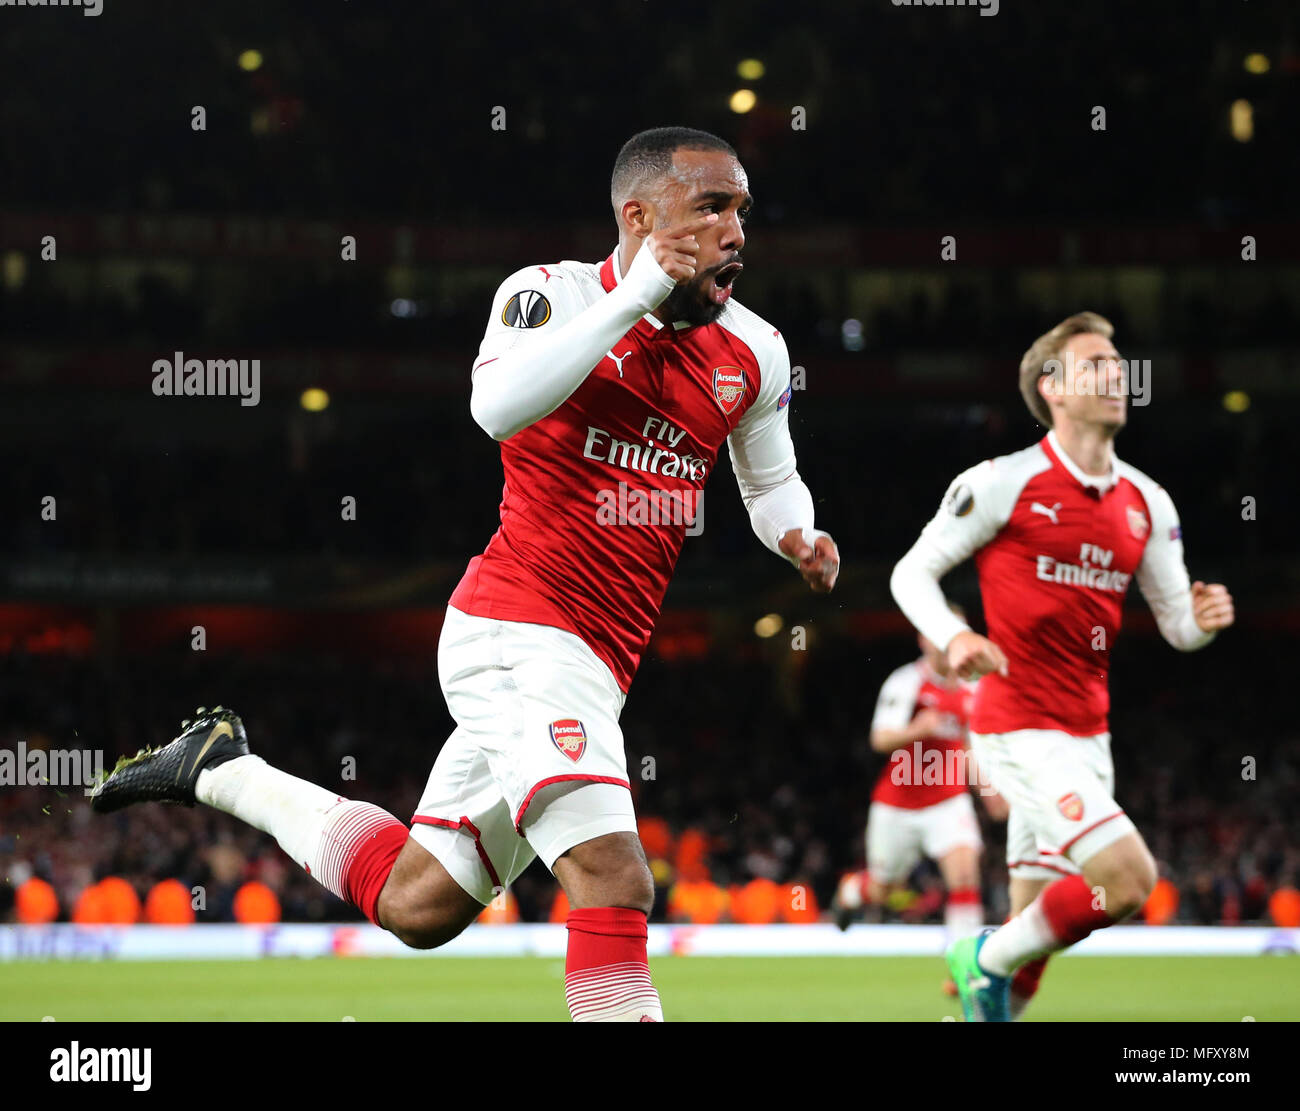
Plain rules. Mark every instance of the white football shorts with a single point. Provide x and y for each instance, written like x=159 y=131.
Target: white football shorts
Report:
x=1060 y=789
x=535 y=765
x=898 y=836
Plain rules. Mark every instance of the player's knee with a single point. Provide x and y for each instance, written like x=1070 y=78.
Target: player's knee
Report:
x=609 y=872
x=425 y=931
x=419 y=924
x=628 y=884
x=1129 y=891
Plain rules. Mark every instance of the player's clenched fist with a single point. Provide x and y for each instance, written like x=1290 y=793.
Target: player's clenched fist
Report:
x=972 y=656
x=818 y=563
x=675 y=248
x=1212 y=606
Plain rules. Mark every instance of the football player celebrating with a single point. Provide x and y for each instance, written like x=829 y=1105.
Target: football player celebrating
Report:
x=1057 y=531
x=610 y=384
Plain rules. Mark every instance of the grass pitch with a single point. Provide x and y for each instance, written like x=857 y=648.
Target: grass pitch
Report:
x=692 y=988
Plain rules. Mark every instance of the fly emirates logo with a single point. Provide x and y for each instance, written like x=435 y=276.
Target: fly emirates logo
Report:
x=1092 y=570
x=660 y=454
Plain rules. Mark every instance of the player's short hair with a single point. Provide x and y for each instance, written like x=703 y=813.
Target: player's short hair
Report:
x=1048 y=347
x=649 y=155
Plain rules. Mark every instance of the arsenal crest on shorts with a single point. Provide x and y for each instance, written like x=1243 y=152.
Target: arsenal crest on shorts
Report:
x=1138 y=524
x=569 y=737
x=728 y=387
x=1071 y=806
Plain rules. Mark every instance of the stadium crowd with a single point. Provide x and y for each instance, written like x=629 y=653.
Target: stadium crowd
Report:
x=751 y=798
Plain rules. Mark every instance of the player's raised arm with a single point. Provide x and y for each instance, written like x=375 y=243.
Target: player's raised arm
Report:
x=779 y=503
x=969 y=517
x=1188 y=615
x=541 y=342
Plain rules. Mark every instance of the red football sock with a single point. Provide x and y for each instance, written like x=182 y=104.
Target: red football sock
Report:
x=1025 y=982
x=360 y=847
x=606 y=972
x=1067 y=905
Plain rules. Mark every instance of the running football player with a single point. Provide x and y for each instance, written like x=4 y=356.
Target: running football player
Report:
x=1057 y=531
x=611 y=388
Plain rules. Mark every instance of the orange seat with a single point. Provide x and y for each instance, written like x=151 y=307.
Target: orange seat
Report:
x=1284 y=907
x=799 y=904
x=168 y=904
x=121 y=905
x=702 y=902
x=1162 y=904
x=35 y=902
x=256 y=904
x=757 y=903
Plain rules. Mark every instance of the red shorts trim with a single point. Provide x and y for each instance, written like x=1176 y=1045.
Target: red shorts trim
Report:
x=470 y=828
x=1038 y=864
x=1084 y=832
x=519 y=818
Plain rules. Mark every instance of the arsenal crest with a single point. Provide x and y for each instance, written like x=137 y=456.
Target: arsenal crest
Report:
x=728 y=387
x=569 y=737
x=1071 y=806
x=1138 y=524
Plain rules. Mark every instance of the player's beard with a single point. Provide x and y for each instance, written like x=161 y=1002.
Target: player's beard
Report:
x=688 y=301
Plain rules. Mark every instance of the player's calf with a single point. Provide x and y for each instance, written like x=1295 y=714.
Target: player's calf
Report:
x=1117 y=880
x=611 y=891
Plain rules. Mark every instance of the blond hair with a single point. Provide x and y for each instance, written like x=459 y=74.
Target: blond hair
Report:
x=1046 y=349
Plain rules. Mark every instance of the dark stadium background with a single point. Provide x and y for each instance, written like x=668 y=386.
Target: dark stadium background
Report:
x=921 y=123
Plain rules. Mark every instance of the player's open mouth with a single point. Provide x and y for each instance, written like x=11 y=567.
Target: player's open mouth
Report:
x=722 y=281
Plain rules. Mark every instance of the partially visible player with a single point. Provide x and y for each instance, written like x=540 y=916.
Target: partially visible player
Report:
x=1058 y=531
x=921 y=805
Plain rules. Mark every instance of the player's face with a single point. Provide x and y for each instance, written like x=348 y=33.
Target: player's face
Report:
x=702 y=182
x=1093 y=382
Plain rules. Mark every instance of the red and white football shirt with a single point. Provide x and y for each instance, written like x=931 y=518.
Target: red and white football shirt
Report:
x=1056 y=550
x=645 y=425
x=923 y=773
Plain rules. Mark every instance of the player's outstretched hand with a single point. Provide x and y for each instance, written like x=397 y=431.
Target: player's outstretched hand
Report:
x=1212 y=606
x=819 y=563
x=675 y=248
x=972 y=656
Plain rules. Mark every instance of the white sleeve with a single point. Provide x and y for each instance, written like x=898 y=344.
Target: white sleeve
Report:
x=897 y=699
x=973 y=511
x=1162 y=576
x=533 y=357
x=762 y=455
